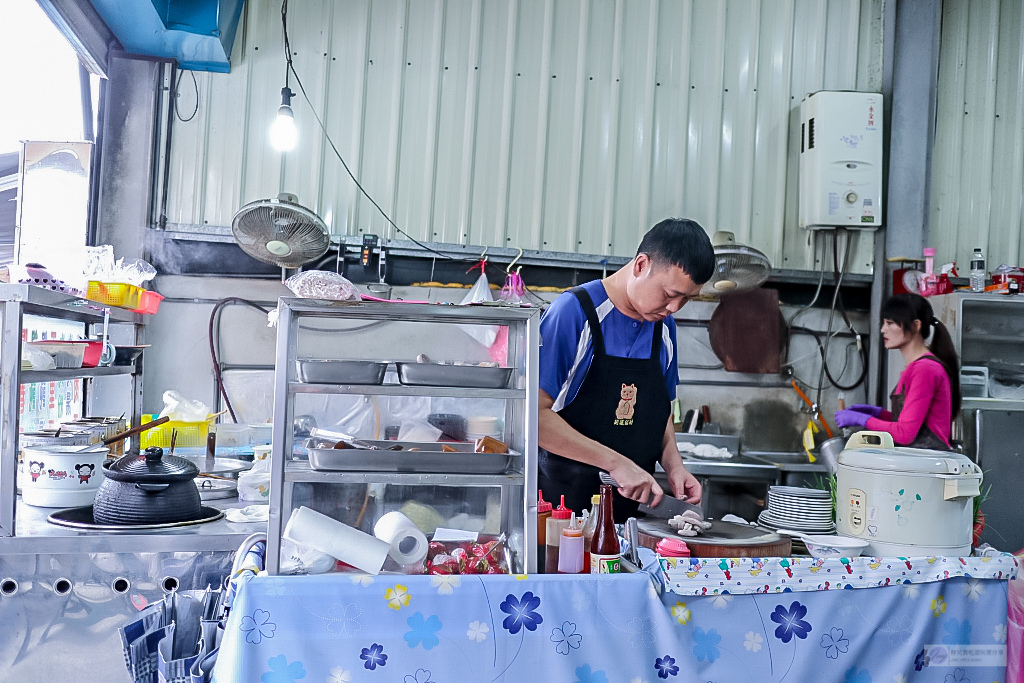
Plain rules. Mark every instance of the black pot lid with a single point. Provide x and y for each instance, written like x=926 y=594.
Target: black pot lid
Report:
x=151 y=467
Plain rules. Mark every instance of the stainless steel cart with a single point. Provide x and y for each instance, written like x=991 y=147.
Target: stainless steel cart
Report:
x=399 y=332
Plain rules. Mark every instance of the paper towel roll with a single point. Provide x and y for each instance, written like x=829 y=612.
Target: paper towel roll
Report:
x=351 y=546
x=407 y=542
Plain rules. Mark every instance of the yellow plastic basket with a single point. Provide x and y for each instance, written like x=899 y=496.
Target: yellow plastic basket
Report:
x=114 y=293
x=189 y=434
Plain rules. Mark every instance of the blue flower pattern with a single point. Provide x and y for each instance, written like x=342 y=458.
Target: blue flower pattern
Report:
x=283 y=672
x=957 y=632
x=521 y=612
x=257 y=626
x=585 y=675
x=855 y=675
x=666 y=666
x=420 y=676
x=373 y=656
x=566 y=638
x=958 y=676
x=423 y=631
x=706 y=644
x=791 y=622
x=834 y=643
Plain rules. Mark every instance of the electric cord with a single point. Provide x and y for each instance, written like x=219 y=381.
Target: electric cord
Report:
x=213 y=332
x=177 y=89
x=291 y=69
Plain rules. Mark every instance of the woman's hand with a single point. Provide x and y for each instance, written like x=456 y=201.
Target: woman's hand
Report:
x=851 y=418
x=873 y=411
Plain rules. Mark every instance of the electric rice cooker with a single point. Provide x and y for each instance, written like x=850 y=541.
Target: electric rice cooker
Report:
x=905 y=502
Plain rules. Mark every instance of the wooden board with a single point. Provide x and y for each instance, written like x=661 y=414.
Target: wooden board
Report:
x=723 y=539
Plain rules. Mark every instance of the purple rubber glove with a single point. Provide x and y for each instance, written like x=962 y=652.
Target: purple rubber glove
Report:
x=873 y=411
x=851 y=418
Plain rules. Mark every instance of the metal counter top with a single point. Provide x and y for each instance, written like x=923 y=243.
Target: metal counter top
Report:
x=35 y=535
x=787 y=461
x=737 y=467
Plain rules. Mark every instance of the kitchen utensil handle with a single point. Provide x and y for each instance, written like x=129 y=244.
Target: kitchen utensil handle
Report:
x=706 y=412
x=152 y=488
x=136 y=430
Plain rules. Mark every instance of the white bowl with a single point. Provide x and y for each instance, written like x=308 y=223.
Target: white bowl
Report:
x=833 y=546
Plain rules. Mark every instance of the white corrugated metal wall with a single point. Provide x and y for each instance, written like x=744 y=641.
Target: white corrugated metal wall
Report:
x=978 y=160
x=561 y=125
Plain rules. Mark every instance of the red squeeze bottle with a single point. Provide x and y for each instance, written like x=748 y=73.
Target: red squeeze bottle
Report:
x=604 y=549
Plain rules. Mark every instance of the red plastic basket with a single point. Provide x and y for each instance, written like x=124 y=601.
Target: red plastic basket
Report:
x=149 y=302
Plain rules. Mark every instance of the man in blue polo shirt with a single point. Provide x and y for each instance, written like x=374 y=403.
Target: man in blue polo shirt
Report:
x=608 y=374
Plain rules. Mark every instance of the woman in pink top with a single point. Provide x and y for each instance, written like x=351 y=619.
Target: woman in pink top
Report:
x=927 y=395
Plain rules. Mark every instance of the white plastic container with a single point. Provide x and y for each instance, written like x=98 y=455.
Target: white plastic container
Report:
x=905 y=502
x=261 y=433
x=479 y=426
x=61 y=476
x=229 y=434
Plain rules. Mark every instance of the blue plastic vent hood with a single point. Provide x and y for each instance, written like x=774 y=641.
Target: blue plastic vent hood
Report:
x=197 y=33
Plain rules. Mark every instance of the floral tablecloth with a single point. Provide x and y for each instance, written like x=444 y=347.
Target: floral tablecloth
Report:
x=710 y=576
x=568 y=629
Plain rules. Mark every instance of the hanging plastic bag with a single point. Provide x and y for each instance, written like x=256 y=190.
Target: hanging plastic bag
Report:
x=478 y=293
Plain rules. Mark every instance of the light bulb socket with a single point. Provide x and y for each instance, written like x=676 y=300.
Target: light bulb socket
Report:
x=285 y=110
x=286 y=97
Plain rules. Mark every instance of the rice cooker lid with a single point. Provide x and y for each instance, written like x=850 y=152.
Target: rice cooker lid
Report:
x=907 y=460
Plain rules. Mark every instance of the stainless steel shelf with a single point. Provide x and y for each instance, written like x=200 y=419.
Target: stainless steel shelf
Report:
x=368 y=310
x=30 y=376
x=402 y=390
x=35 y=535
x=44 y=302
x=996 y=338
x=991 y=404
x=301 y=472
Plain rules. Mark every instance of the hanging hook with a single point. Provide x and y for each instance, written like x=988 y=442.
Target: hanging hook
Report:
x=483 y=254
x=518 y=256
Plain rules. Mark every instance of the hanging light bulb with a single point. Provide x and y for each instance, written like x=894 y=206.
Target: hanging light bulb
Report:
x=283 y=133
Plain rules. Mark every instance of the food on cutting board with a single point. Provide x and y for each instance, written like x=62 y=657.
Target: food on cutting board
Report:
x=689 y=524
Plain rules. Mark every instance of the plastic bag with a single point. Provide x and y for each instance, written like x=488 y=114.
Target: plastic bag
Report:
x=322 y=284
x=254 y=484
x=418 y=430
x=480 y=292
x=181 y=409
x=40 y=360
x=300 y=559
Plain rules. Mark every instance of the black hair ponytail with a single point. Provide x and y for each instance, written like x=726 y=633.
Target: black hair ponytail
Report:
x=943 y=349
x=904 y=309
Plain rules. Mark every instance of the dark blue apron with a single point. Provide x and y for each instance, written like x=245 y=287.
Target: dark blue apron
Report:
x=623 y=404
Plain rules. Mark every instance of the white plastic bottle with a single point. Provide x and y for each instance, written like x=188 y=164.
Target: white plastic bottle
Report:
x=978 y=271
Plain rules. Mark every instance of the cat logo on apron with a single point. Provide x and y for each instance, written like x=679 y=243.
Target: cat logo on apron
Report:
x=624 y=412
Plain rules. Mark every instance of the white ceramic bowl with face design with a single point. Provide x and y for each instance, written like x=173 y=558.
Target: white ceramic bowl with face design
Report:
x=61 y=476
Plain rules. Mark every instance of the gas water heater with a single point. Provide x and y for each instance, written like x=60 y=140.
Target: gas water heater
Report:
x=841 y=160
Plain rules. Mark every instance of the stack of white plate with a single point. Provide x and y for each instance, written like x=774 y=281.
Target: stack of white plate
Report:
x=800 y=509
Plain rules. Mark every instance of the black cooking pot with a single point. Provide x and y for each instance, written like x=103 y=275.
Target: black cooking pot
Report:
x=148 y=489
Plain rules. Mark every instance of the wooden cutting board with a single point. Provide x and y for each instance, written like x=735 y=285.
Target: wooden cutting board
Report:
x=723 y=539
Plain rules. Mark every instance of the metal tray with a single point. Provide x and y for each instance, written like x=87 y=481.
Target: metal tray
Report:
x=466 y=376
x=314 y=371
x=429 y=459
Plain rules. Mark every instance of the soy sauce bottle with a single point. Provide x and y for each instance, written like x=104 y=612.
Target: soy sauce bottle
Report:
x=604 y=549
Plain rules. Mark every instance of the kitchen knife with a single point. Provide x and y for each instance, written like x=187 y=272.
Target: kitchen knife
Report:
x=668 y=508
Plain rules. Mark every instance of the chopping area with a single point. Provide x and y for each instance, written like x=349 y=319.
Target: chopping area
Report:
x=570 y=342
